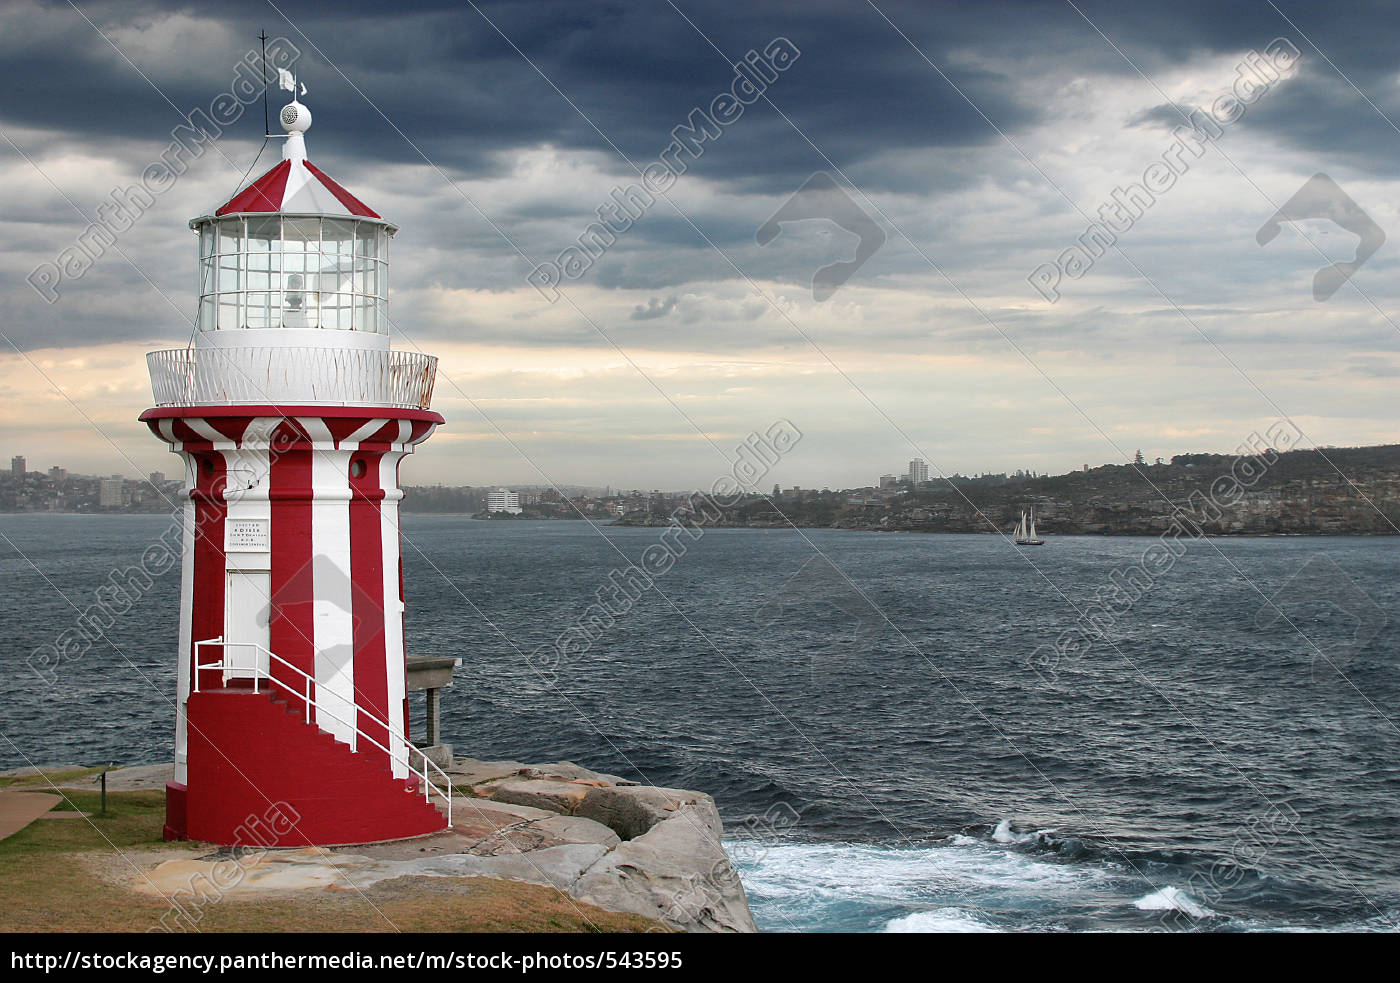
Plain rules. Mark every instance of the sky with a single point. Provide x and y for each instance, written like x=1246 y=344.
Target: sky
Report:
x=960 y=151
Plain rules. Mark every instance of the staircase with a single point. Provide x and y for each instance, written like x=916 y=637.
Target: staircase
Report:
x=261 y=773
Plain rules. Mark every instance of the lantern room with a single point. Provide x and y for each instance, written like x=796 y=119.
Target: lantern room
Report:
x=293 y=271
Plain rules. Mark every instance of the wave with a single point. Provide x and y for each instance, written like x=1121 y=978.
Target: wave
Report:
x=1173 y=899
x=939 y=920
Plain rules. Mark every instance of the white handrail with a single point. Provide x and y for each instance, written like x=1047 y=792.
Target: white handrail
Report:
x=327 y=376
x=305 y=696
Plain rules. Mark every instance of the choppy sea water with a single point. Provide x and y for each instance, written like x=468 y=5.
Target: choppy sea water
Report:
x=906 y=763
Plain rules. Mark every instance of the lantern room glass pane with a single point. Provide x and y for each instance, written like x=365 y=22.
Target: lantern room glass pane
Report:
x=228 y=311
x=231 y=236
x=260 y=312
x=264 y=234
x=336 y=311
x=367 y=241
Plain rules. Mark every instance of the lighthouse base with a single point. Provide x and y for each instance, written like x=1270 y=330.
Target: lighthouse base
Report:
x=175 y=822
x=259 y=775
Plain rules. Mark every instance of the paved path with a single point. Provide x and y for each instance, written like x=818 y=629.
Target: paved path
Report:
x=19 y=809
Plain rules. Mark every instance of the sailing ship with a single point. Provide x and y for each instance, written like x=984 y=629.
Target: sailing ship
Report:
x=1025 y=531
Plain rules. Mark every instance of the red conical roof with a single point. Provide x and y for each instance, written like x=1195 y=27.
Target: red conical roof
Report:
x=296 y=186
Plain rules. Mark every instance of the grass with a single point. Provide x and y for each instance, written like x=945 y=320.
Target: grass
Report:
x=47 y=887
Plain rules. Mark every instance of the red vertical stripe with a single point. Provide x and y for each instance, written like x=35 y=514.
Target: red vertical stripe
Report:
x=207 y=611
x=367 y=573
x=292 y=630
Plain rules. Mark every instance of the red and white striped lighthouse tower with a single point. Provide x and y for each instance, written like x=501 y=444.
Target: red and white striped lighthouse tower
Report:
x=291 y=415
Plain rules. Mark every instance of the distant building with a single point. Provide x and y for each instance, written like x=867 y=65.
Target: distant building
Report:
x=17 y=465
x=918 y=472
x=157 y=478
x=109 y=492
x=888 y=480
x=57 y=475
x=503 y=500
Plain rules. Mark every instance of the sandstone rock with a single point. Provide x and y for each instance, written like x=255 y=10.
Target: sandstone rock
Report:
x=29 y=771
x=574 y=829
x=469 y=771
x=630 y=811
x=558 y=866
x=676 y=872
x=542 y=793
x=569 y=771
x=467 y=808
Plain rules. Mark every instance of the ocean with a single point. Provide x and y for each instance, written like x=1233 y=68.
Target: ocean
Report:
x=1220 y=754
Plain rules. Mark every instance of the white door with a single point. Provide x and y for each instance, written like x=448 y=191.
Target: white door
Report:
x=246 y=610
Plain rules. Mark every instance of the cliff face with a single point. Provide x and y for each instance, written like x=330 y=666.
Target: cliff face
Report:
x=658 y=850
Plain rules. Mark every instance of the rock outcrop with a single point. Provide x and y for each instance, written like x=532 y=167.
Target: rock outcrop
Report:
x=620 y=846
x=663 y=859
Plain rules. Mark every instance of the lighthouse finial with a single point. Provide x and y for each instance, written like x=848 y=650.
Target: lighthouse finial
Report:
x=295 y=118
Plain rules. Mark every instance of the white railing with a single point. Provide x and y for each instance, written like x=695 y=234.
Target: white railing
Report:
x=297 y=376
x=308 y=682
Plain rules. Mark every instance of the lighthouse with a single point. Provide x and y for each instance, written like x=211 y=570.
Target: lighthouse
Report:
x=291 y=414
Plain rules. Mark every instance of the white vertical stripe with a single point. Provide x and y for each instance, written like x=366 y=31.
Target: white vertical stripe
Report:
x=334 y=609
x=182 y=669
x=393 y=612
x=249 y=469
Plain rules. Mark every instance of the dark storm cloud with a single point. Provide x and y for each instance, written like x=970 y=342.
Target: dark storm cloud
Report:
x=464 y=95
x=468 y=99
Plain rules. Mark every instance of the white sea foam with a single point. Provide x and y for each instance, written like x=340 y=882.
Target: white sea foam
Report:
x=854 y=887
x=1173 y=899
x=940 y=920
x=1005 y=834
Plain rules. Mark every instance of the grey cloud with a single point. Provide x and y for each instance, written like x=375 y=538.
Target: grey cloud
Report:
x=654 y=309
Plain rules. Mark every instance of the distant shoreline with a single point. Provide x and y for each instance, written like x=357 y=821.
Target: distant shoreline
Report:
x=784 y=527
